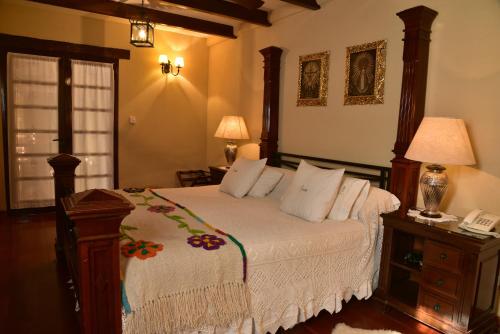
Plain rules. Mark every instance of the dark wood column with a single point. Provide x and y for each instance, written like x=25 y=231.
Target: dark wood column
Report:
x=405 y=173
x=96 y=216
x=64 y=166
x=270 y=114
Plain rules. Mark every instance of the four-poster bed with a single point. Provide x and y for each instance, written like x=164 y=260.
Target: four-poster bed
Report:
x=88 y=224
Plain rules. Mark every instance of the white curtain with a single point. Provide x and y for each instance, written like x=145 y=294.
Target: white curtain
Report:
x=93 y=110
x=32 y=105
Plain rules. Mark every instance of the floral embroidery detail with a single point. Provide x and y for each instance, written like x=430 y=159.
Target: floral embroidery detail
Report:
x=161 y=208
x=207 y=241
x=141 y=249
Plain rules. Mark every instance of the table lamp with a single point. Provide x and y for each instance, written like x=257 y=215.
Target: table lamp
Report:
x=439 y=141
x=231 y=128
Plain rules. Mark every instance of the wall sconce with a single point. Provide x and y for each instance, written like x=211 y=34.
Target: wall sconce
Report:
x=167 y=67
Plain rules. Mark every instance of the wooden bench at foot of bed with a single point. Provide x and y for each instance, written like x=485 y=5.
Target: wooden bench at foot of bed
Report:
x=88 y=235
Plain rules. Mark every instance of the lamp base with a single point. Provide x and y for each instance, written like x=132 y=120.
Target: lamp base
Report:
x=230 y=152
x=429 y=214
x=433 y=185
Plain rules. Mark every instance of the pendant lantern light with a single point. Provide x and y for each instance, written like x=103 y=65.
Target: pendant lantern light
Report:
x=142 y=32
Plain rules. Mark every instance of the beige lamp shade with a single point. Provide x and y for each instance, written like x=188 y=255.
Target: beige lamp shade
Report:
x=232 y=127
x=441 y=140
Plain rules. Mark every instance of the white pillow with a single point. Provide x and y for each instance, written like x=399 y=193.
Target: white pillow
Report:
x=379 y=201
x=360 y=201
x=284 y=183
x=242 y=176
x=385 y=201
x=312 y=192
x=266 y=182
x=349 y=192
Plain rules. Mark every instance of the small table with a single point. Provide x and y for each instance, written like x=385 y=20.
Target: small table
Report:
x=439 y=275
x=217 y=173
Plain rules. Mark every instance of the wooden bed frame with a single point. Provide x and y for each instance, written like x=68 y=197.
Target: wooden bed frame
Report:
x=88 y=223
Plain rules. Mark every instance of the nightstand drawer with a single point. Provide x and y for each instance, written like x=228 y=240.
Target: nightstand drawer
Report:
x=441 y=281
x=442 y=256
x=436 y=306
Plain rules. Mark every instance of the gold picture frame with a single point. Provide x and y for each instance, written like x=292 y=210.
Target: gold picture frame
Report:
x=312 y=88
x=365 y=73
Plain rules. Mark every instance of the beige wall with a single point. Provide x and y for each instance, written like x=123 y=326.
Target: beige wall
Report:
x=464 y=76
x=463 y=81
x=171 y=112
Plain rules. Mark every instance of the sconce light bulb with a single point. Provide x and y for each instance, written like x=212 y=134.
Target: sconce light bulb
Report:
x=179 y=62
x=163 y=59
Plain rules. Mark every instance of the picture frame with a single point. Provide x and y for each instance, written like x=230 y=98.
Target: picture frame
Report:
x=312 y=88
x=365 y=73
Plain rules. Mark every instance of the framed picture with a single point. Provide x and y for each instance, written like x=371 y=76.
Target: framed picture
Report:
x=313 y=79
x=365 y=73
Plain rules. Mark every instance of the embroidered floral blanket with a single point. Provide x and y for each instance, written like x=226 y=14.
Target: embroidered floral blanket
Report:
x=179 y=272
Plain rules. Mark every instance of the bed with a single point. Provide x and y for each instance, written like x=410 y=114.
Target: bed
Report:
x=273 y=283
x=276 y=269
x=292 y=268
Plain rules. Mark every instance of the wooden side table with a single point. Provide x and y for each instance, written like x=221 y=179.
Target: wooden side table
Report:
x=217 y=173
x=443 y=278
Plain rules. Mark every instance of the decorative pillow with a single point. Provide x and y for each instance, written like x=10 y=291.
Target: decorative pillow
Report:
x=379 y=201
x=266 y=182
x=360 y=201
x=349 y=192
x=242 y=176
x=283 y=184
x=312 y=192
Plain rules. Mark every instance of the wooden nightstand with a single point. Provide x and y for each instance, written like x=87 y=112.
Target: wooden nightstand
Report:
x=452 y=287
x=217 y=173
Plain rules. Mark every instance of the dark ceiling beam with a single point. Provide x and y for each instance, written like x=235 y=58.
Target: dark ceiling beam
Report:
x=118 y=9
x=309 y=4
x=251 y=4
x=226 y=8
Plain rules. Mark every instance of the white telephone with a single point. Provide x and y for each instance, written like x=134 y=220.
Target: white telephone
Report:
x=478 y=221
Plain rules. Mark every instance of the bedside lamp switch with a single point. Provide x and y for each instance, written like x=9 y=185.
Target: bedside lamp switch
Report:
x=132 y=120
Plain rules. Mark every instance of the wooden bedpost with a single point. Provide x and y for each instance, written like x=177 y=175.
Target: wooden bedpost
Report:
x=95 y=217
x=64 y=166
x=270 y=113
x=88 y=236
x=405 y=173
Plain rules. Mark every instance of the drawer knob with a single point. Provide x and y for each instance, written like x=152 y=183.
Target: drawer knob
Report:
x=437 y=307
x=440 y=282
x=443 y=256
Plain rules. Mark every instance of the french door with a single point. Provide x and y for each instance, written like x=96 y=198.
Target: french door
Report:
x=58 y=105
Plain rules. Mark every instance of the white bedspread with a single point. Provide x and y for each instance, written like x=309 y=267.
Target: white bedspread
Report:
x=295 y=268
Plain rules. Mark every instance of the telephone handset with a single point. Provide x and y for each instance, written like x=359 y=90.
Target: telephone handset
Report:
x=478 y=221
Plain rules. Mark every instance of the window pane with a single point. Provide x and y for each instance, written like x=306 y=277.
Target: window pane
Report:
x=85 y=183
x=32 y=106
x=34 y=95
x=92 y=143
x=92 y=121
x=34 y=68
x=91 y=98
x=35 y=192
x=95 y=165
x=33 y=167
x=33 y=118
x=93 y=117
x=35 y=143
